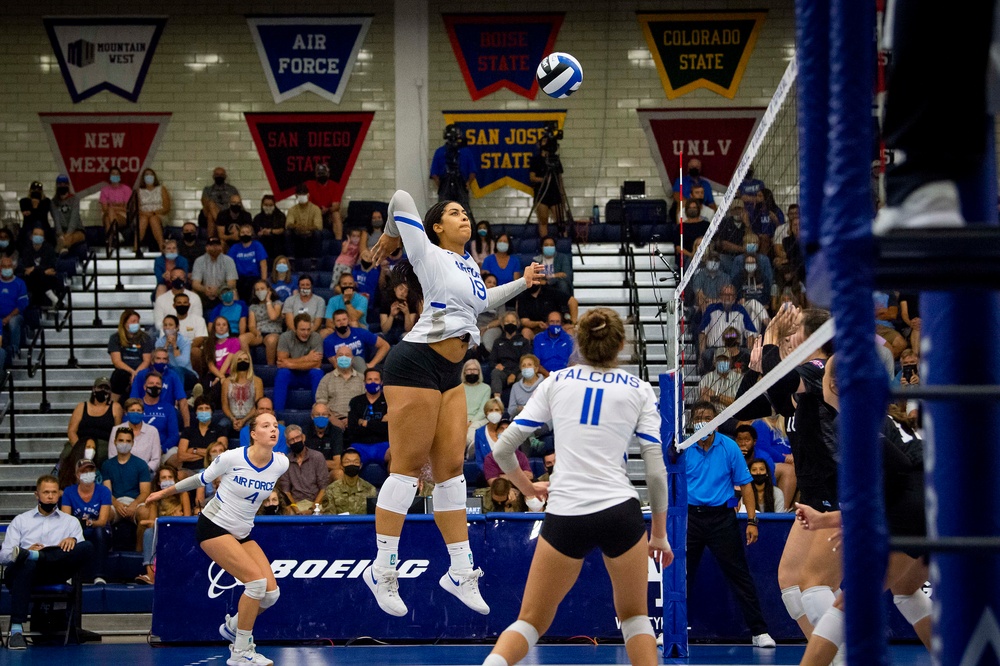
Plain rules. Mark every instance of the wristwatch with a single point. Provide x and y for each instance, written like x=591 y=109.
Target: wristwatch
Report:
x=752 y=521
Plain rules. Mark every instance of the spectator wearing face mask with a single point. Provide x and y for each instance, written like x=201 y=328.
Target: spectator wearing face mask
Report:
x=270 y=226
x=127 y=476
x=177 y=285
x=729 y=238
x=91 y=423
x=70 y=238
x=235 y=311
x=183 y=336
x=482 y=244
x=348 y=300
x=350 y=493
x=722 y=384
x=212 y=272
x=114 y=201
x=265 y=323
x=38 y=269
x=709 y=280
x=304 y=302
x=752 y=250
x=558 y=266
x=173 y=386
x=487 y=434
x=283 y=281
x=232 y=220
x=215 y=199
x=768 y=497
x=693 y=179
x=154 y=206
x=191 y=247
x=13 y=306
x=240 y=391
x=521 y=391
x=323 y=194
x=504 y=265
x=276 y=504
x=505 y=358
x=90 y=502
x=339 y=386
x=477 y=394
x=131 y=350
x=752 y=284
x=251 y=261
x=549 y=460
x=161 y=414
x=695 y=227
x=306 y=480
x=164 y=265
x=553 y=346
x=197 y=439
x=327 y=438
x=746 y=439
x=36 y=209
x=369 y=349
x=367 y=423
x=304 y=223
x=146 y=515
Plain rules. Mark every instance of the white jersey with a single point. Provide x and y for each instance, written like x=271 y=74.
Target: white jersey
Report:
x=594 y=412
x=242 y=490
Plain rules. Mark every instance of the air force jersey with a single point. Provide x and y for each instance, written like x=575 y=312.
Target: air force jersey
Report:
x=242 y=490
x=594 y=413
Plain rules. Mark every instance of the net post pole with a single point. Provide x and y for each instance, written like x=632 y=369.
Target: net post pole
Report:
x=675 y=621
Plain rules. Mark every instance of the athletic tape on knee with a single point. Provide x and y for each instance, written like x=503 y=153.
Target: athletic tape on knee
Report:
x=792 y=598
x=635 y=626
x=270 y=598
x=831 y=627
x=450 y=495
x=527 y=630
x=914 y=607
x=256 y=589
x=816 y=601
x=397 y=493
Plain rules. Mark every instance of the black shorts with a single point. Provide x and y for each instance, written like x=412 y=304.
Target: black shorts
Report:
x=206 y=529
x=819 y=498
x=615 y=531
x=416 y=364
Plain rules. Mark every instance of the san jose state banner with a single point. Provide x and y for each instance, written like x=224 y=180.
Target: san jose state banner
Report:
x=308 y=53
x=503 y=142
x=715 y=136
x=290 y=146
x=110 y=53
x=701 y=49
x=497 y=51
x=87 y=145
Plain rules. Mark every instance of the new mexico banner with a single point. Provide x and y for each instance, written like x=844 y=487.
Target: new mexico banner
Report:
x=715 y=136
x=701 y=49
x=87 y=145
x=503 y=143
x=498 y=51
x=292 y=144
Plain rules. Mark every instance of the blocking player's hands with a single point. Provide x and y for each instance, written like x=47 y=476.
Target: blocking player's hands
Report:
x=532 y=274
x=660 y=550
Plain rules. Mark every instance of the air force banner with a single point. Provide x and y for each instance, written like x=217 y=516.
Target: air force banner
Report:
x=104 y=52
x=314 y=53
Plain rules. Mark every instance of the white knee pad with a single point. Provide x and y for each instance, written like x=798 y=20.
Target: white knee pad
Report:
x=914 y=607
x=397 y=493
x=256 y=589
x=270 y=598
x=525 y=629
x=792 y=598
x=816 y=601
x=636 y=626
x=450 y=495
x=831 y=627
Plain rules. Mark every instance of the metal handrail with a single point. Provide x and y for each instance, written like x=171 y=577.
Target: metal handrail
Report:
x=38 y=339
x=90 y=284
x=634 y=310
x=14 y=457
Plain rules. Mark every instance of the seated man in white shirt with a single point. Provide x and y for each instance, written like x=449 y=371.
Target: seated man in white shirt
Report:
x=43 y=546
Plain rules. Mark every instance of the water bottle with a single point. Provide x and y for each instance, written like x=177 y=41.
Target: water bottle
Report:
x=596 y=215
x=316 y=509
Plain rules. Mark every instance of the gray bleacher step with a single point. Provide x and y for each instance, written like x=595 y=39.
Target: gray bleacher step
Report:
x=84 y=334
x=22 y=475
x=616 y=293
x=134 y=298
x=50 y=422
x=608 y=278
x=16 y=501
x=118 y=624
x=72 y=378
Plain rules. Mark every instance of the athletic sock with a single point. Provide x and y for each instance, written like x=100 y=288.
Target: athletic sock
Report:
x=816 y=601
x=233 y=623
x=243 y=639
x=388 y=551
x=33 y=555
x=495 y=660
x=16 y=628
x=461 y=556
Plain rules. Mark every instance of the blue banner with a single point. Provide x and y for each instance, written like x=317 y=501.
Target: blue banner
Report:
x=314 y=53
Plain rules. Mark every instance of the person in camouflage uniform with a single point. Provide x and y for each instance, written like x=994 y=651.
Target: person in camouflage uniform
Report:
x=349 y=493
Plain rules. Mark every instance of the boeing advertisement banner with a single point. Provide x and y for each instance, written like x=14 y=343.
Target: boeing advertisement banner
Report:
x=308 y=53
x=110 y=53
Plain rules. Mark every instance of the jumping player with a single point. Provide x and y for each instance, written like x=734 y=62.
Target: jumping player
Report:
x=595 y=409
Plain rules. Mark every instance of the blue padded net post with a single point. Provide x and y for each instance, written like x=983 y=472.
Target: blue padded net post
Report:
x=675 y=635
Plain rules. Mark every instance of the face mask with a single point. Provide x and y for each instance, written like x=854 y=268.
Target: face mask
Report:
x=297 y=447
x=751 y=248
x=472 y=378
x=115 y=179
x=503 y=246
x=242 y=366
x=48 y=507
x=302 y=199
x=37 y=196
x=153 y=391
x=510 y=328
x=730 y=341
x=261 y=294
x=555 y=330
x=88 y=477
x=527 y=373
x=549 y=250
x=219 y=180
x=548 y=470
x=176 y=283
x=203 y=416
x=270 y=509
x=182 y=310
x=378 y=224
x=712 y=266
x=133 y=328
x=343 y=362
x=148 y=179
x=352 y=470
x=4 y=244
x=123 y=447
x=227 y=299
x=171 y=256
x=482 y=233
x=698 y=426
x=694 y=172
x=62 y=191
x=38 y=240
x=166 y=483
x=160 y=367
x=343 y=329
x=268 y=210
x=222 y=336
x=7 y=272
x=189 y=237
x=305 y=291
x=722 y=366
x=760 y=478
x=749 y=267
x=322 y=179
x=100 y=396
x=245 y=238
x=372 y=387
x=494 y=417
x=281 y=268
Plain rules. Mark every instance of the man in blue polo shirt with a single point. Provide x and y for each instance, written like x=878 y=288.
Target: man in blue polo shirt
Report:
x=251 y=262
x=13 y=305
x=161 y=414
x=553 y=347
x=713 y=467
x=368 y=348
x=173 y=385
x=350 y=301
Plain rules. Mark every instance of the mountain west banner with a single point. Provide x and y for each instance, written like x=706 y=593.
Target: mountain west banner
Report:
x=315 y=53
x=290 y=146
x=715 y=136
x=87 y=145
x=104 y=52
x=503 y=143
x=701 y=49
x=498 y=51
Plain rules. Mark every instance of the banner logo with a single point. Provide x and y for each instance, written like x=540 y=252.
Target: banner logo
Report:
x=497 y=51
x=715 y=136
x=104 y=52
x=503 y=143
x=290 y=146
x=314 y=53
x=701 y=49
x=86 y=145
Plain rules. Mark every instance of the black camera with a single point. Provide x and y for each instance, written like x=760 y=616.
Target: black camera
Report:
x=453 y=137
x=551 y=132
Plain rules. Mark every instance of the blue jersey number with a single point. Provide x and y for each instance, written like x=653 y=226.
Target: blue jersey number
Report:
x=478 y=288
x=591 y=413
x=252 y=498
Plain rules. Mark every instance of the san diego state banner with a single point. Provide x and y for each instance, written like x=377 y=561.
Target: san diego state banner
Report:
x=503 y=143
x=110 y=53
x=290 y=146
x=497 y=51
x=701 y=49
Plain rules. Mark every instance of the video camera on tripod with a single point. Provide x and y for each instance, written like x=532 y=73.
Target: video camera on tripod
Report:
x=551 y=136
x=453 y=185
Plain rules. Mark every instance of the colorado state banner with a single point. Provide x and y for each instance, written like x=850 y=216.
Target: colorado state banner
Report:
x=503 y=143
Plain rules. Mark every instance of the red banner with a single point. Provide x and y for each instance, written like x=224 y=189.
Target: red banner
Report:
x=87 y=145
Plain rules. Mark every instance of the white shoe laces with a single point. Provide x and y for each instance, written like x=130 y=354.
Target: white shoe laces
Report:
x=389 y=578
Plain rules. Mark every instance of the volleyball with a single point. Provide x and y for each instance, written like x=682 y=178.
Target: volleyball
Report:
x=559 y=75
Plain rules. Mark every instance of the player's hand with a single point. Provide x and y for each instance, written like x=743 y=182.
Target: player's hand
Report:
x=533 y=274
x=385 y=246
x=660 y=551
x=156 y=497
x=540 y=489
x=751 y=534
x=836 y=539
x=756 y=355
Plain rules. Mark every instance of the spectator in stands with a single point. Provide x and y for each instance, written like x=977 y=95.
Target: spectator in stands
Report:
x=492 y=471
x=265 y=406
x=502 y=497
x=167 y=302
x=350 y=301
x=549 y=460
x=43 y=546
x=554 y=346
x=282 y=280
x=326 y=438
x=709 y=280
x=8 y=247
x=751 y=282
x=349 y=493
x=398 y=314
x=486 y=435
x=146 y=515
x=366 y=279
x=339 y=386
x=729 y=238
x=90 y=503
x=505 y=358
x=265 y=323
x=739 y=356
x=750 y=186
x=909 y=315
x=251 y=260
x=535 y=304
x=363 y=343
x=788 y=288
x=154 y=206
x=698 y=196
x=173 y=386
x=367 y=421
x=695 y=227
x=114 y=202
x=160 y=414
x=66 y=220
x=207 y=491
x=91 y=423
x=191 y=247
x=717 y=318
x=886 y=313
x=789 y=228
x=323 y=194
x=752 y=249
x=235 y=312
x=722 y=384
x=218 y=351
x=215 y=198
x=558 y=266
x=306 y=480
x=269 y=224
x=504 y=265
x=304 y=222
x=178 y=350
x=765 y=218
x=767 y=497
x=691 y=180
x=350 y=250
x=13 y=304
x=477 y=394
x=304 y=302
x=231 y=221
x=164 y=265
x=125 y=475
x=276 y=504
x=526 y=385
x=240 y=391
x=38 y=268
x=482 y=244
x=191 y=327
x=300 y=354
x=36 y=209
x=131 y=350
x=489 y=320
x=197 y=439
x=212 y=272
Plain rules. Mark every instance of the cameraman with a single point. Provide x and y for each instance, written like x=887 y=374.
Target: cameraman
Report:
x=453 y=169
x=546 y=174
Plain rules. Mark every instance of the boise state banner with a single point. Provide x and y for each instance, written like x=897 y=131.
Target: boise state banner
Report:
x=701 y=49
x=87 y=145
x=503 y=143
x=498 y=51
x=110 y=53
x=314 y=53
x=290 y=146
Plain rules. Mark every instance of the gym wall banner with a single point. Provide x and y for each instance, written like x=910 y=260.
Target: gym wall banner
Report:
x=503 y=143
x=290 y=146
x=86 y=145
x=497 y=51
x=701 y=49
x=98 y=53
x=715 y=136
x=314 y=53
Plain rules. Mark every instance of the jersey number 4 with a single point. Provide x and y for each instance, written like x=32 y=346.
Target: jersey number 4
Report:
x=591 y=413
x=252 y=498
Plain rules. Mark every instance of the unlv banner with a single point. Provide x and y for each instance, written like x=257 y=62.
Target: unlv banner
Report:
x=503 y=142
x=715 y=136
x=290 y=146
x=701 y=49
x=498 y=51
x=104 y=52
x=314 y=53
x=87 y=145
